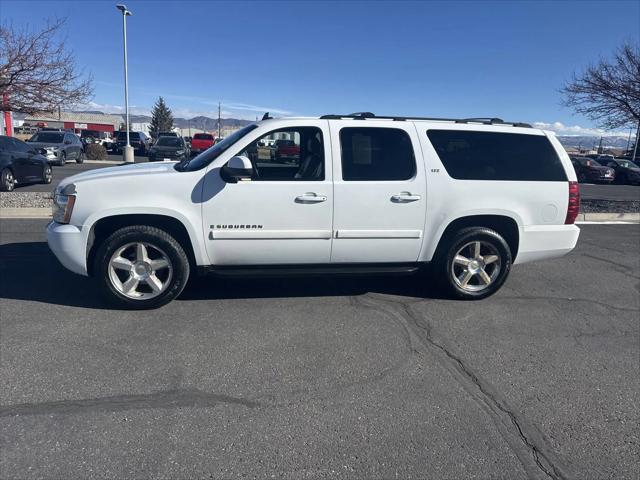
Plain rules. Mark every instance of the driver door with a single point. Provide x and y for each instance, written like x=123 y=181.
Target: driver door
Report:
x=283 y=213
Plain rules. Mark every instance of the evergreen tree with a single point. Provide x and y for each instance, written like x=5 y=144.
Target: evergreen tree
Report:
x=161 y=118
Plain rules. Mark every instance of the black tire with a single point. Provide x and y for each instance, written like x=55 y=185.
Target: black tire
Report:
x=47 y=174
x=156 y=239
x=63 y=159
x=7 y=180
x=80 y=158
x=492 y=244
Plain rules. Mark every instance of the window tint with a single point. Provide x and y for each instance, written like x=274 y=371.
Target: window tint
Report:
x=5 y=143
x=470 y=155
x=287 y=154
x=376 y=154
x=20 y=146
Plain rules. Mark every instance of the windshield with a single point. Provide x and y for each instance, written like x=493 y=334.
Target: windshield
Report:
x=123 y=135
x=209 y=155
x=47 y=137
x=169 y=142
x=627 y=164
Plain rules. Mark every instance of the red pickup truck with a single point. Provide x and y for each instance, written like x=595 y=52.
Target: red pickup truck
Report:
x=286 y=149
x=201 y=141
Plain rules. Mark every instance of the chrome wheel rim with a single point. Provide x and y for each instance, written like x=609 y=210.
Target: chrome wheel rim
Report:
x=9 y=181
x=140 y=270
x=47 y=174
x=476 y=266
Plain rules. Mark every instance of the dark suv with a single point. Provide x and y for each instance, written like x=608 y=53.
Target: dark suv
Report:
x=138 y=140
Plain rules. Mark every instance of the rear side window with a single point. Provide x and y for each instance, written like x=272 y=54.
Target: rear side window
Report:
x=370 y=154
x=470 y=155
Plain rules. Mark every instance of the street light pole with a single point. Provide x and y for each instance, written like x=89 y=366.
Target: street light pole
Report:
x=128 y=150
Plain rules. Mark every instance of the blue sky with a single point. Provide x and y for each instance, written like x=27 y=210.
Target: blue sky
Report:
x=454 y=59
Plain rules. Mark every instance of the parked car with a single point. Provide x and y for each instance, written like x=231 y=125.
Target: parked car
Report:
x=589 y=170
x=21 y=163
x=168 y=148
x=60 y=146
x=627 y=172
x=387 y=195
x=286 y=149
x=95 y=136
x=200 y=142
x=138 y=140
x=167 y=134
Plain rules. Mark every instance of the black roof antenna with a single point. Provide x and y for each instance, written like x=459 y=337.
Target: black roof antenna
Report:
x=266 y=116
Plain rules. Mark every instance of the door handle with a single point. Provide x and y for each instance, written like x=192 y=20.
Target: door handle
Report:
x=311 y=197
x=405 y=197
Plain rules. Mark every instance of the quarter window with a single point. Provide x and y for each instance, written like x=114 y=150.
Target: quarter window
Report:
x=468 y=155
x=370 y=154
x=288 y=154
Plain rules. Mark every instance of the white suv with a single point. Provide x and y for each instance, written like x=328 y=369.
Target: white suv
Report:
x=354 y=193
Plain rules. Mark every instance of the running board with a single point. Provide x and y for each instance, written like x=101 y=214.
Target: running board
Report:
x=308 y=270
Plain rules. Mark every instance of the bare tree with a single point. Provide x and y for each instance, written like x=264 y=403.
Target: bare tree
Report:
x=37 y=72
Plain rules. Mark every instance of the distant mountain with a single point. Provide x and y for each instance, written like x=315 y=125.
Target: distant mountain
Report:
x=201 y=122
x=593 y=141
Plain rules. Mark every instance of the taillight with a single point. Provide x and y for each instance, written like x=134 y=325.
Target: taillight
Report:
x=574 y=203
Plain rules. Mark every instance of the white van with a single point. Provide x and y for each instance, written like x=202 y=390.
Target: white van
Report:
x=356 y=193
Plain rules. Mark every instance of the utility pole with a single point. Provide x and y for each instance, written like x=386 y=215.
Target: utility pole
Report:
x=218 y=119
x=635 y=148
x=128 y=150
x=628 y=140
x=600 y=146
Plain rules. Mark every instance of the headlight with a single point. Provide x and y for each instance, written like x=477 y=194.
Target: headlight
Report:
x=63 y=207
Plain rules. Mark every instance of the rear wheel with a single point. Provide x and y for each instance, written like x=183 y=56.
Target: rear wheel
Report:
x=141 y=267
x=474 y=264
x=7 y=180
x=47 y=174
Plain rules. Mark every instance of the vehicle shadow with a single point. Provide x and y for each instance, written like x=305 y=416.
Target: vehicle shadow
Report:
x=29 y=271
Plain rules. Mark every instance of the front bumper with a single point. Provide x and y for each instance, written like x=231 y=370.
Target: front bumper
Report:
x=539 y=242
x=69 y=245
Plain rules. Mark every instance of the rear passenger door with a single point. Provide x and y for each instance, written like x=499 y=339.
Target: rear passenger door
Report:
x=379 y=192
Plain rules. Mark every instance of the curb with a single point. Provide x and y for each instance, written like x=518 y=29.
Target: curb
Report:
x=103 y=162
x=45 y=212
x=609 y=217
x=29 y=212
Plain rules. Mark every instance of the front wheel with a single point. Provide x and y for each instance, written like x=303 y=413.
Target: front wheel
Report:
x=141 y=267
x=474 y=264
x=63 y=159
x=7 y=180
x=80 y=158
x=47 y=174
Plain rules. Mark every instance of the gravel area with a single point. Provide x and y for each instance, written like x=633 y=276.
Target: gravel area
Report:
x=43 y=199
x=609 y=206
x=25 y=199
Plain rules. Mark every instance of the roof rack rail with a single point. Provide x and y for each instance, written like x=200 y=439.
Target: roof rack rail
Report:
x=482 y=120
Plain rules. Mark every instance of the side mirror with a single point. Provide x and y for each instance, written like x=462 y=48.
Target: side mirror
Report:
x=236 y=169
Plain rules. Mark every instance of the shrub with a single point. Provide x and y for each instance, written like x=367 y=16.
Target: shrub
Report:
x=95 y=151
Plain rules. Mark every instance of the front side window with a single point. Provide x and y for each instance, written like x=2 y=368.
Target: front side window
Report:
x=376 y=154
x=287 y=154
x=475 y=155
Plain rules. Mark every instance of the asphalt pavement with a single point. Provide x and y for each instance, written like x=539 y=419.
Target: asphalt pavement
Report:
x=314 y=378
